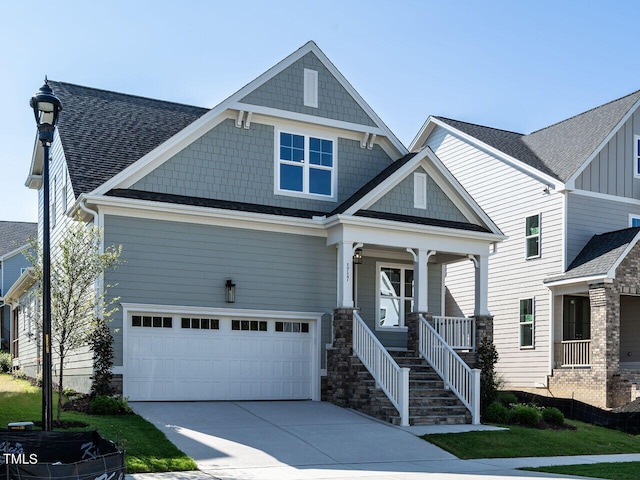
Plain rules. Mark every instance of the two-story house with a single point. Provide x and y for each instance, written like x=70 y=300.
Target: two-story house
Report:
x=564 y=288
x=14 y=242
x=247 y=226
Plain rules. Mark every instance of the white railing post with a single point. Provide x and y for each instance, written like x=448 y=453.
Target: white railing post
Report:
x=403 y=399
x=476 y=396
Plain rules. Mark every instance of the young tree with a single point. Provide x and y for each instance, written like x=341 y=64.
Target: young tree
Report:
x=76 y=266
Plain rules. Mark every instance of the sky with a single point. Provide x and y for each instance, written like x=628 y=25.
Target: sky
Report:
x=511 y=64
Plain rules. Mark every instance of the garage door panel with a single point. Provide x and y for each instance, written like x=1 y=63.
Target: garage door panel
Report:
x=218 y=364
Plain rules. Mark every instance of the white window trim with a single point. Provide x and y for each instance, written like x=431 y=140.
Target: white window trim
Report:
x=402 y=266
x=636 y=155
x=419 y=190
x=310 y=88
x=633 y=217
x=306 y=133
x=533 y=325
x=527 y=237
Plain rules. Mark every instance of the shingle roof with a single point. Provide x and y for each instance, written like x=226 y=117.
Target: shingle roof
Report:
x=434 y=222
x=560 y=149
x=15 y=235
x=599 y=255
x=104 y=132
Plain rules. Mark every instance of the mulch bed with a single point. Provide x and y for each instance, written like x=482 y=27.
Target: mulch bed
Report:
x=80 y=404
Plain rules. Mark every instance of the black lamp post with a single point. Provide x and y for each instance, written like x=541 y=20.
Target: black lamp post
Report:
x=46 y=107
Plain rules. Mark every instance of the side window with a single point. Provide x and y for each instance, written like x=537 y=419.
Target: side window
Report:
x=532 y=236
x=636 y=156
x=527 y=317
x=306 y=166
x=634 y=220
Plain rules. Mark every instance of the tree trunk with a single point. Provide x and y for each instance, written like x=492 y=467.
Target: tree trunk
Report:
x=60 y=386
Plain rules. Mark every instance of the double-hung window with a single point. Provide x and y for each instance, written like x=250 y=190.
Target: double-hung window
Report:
x=526 y=322
x=306 y=165
x=395 y=295
x=532 y=236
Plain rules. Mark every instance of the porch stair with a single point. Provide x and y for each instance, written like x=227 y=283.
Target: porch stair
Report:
x=430 y=403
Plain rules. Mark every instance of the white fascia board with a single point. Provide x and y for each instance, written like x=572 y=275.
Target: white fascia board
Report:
x=21 y=285
x=205 y=215
x=571 y=182
x=579 y=280
x=214 y=116
x=606 y=196
x=529 y=170
x=407 y=235
x=222 y=312
x=423 y=134
x=14 y=252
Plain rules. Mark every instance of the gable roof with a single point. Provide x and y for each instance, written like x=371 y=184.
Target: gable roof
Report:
x=104 y=132
x=14 y=235
x=600 y=256
x=559 y=150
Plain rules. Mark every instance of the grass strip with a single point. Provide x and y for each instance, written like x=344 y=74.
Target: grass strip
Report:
x=147 y=448
x=613 y=471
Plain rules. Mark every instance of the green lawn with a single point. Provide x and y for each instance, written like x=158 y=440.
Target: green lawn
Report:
x=147 y=448
x=531 y=442
x=613 y=471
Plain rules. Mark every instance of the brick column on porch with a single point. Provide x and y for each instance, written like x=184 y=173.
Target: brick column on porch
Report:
x=412 y=322
x=484 y=328
x=339 y=378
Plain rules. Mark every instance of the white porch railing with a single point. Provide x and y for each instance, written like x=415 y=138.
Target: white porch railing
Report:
x=458 y=332
x=575 y=353
x=456 y=374
x=389 y=376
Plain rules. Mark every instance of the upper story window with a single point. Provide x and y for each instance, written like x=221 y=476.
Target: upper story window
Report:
x=634 y=220
x=306 y=166
x=636 y=156
x=532 y=236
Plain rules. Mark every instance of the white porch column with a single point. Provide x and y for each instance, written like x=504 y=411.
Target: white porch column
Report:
x=345 y=275
x=421 y=279
x=481 y=263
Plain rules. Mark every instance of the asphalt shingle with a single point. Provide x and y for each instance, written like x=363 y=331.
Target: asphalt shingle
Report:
x=15 y=235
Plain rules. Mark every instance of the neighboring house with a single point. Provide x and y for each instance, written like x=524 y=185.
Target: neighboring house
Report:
x=564 y=288
x=240 y=225
x=14 y=243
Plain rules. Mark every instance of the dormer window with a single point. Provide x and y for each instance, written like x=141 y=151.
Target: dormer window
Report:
x=305 y=166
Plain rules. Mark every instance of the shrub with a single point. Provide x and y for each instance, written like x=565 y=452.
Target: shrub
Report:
x=507 y=398
x=552 y=416
x=104 y=405
x=101 y=342
x=526 y=415
x=497 y=413
x=19 y=374
x=5 y=362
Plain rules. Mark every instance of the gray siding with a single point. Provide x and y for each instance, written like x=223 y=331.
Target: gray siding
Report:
x=612 y=170
x=508 y=196
x=588 y=216
x=367 y=296
x=400 y=201
x=170 y=263
x=11 y=270
x=235 y=164
x=286 y=92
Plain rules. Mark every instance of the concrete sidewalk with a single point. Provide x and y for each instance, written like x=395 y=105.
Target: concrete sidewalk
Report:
x=317 y=441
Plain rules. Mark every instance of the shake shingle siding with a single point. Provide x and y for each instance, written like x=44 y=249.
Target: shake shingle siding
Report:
x=508 y=197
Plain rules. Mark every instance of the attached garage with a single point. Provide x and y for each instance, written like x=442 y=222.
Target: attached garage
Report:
x=220 y=355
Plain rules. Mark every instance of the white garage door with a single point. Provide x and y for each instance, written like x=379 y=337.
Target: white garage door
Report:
x=213 y=358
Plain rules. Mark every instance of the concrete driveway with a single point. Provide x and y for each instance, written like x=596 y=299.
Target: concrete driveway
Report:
x=303 y=440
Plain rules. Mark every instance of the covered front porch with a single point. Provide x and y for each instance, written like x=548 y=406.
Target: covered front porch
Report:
x=596 y=323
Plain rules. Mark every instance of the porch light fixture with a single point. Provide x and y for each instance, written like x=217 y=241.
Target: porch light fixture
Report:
x=46 y=108
x=357 y=257
x=230 y=291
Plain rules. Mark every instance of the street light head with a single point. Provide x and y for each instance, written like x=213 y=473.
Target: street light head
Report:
x=46 y=107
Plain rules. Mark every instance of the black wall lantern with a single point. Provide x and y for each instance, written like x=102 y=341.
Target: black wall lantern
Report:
x=46 y=107
x=357 y=257
x=230 y=291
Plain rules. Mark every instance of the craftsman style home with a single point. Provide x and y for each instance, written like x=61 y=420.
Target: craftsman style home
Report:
x=14 y=242
x=564 y=288
x=277 y=246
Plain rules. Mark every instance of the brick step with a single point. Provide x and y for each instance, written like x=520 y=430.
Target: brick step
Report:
x=433 y=420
